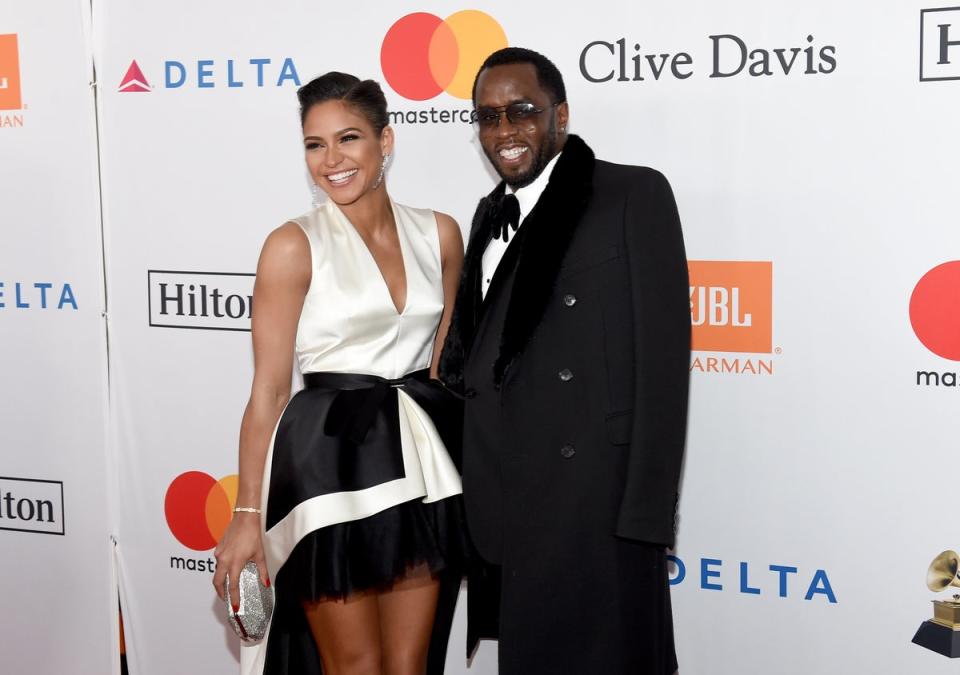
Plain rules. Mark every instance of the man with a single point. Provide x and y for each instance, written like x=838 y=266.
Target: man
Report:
x=570 y=342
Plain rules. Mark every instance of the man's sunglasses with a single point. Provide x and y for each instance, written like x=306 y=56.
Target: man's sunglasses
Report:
x=489 y=118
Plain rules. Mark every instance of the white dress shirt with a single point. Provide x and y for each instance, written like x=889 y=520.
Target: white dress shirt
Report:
x=527 y=197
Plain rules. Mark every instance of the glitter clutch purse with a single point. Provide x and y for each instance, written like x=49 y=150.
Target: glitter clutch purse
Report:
x=256 y=605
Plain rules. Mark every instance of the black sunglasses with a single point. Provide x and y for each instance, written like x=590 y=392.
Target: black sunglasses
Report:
x=489 y=118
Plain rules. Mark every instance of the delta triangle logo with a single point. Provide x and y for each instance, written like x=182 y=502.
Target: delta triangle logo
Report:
x=134 y=80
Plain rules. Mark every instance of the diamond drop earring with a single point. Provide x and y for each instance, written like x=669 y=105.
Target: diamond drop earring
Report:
x=318 y=195
x=383 y=167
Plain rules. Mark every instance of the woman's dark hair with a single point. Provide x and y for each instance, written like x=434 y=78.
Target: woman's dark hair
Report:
x=548 y=76
x=365 y=96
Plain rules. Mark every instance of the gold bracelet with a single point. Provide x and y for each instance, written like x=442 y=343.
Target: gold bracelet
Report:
x=245 y=509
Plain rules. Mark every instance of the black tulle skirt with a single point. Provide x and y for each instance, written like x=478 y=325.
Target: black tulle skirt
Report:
x=338 y=436
x=374 y=552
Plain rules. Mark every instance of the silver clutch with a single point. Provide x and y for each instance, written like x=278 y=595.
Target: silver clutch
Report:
x=256 y=605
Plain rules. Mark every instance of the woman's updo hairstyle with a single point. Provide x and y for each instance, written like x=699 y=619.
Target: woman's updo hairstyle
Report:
x=365 y=96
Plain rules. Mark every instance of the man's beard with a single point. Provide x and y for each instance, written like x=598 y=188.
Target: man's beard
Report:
x=547 y=150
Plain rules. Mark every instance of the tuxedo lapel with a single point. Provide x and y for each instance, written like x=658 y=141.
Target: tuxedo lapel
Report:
x=548 y=231
x=546 y=234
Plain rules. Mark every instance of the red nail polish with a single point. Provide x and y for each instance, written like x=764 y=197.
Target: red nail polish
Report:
x=236 y=608
x=267 y=583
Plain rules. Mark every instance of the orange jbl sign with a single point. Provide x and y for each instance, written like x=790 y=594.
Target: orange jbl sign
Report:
x=731 y=306
x=9 y=73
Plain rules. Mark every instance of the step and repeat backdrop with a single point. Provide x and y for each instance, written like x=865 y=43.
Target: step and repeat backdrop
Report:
x=813 y=151
x=58 y=592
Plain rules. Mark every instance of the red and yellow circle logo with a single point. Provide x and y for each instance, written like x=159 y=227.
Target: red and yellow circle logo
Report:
x=423 y=54
x=198 y=508
x=935 y=310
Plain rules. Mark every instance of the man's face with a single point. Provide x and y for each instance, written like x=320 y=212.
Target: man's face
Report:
x=519 y=150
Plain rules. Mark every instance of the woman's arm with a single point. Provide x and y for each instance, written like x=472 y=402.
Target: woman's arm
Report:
x=451 y=261
x=283 y=276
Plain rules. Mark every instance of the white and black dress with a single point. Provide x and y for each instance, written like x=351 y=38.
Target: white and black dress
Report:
x=359 y=484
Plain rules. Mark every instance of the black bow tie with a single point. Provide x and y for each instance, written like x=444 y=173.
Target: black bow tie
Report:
x=508 y=214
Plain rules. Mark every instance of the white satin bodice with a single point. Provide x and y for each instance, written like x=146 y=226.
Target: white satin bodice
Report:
x=349 y=323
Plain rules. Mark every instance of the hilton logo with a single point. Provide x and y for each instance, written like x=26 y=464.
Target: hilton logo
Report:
x=29 y=505
x=940 y=44
x=205 y=300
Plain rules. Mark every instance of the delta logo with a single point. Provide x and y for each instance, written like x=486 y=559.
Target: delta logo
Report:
x=198 y=509
x=258 y=73
x=37 y=295
x=731 y=312
x=134 y=80
x=935 y=319
x=10 y=94
x=423 y=55
x=749 y=578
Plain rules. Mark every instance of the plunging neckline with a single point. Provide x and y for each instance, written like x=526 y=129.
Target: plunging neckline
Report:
x=376 y=265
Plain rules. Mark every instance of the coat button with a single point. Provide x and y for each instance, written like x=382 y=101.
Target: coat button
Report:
x=565 y=375
x=569 y=299
x=568 y=451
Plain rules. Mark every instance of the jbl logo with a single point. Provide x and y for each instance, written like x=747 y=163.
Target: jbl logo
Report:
x=9 y=73
x=731 y=306
x=717 y=306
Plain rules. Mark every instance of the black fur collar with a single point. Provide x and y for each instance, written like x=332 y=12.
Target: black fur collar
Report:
x=547 y=233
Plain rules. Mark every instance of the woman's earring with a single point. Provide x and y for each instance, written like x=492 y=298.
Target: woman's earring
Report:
x=318 y=195
x=383 y=167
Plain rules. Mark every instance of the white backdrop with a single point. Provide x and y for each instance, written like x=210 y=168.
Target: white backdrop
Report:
x=58 y=586
x=816 y=184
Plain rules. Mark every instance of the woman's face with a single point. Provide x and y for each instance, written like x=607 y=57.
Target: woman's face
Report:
x=343 y=152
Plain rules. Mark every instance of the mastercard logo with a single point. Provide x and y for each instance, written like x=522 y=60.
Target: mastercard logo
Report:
x=935 y=310
x=423 y=55
x=198 y=508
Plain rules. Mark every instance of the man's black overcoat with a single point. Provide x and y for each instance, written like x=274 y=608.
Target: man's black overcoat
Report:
x=575 y=368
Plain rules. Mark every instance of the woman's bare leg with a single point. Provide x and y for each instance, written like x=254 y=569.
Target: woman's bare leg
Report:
x=347 y=633
x=406 y=621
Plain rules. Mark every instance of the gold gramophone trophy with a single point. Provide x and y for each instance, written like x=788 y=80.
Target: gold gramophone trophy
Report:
x=942 y=633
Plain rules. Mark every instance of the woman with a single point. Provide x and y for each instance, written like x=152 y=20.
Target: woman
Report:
x=352 y=507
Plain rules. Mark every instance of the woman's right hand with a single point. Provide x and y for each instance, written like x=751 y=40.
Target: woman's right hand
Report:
x=283 y=277
x=241 y=543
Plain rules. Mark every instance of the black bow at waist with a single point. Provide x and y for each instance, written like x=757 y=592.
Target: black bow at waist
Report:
x=360 y=397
